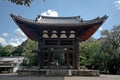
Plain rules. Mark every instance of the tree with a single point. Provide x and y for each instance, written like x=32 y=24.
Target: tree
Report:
x=22 y=2
x=92 y=55
x=6 y=50
x=110 y=42
x=26 y=49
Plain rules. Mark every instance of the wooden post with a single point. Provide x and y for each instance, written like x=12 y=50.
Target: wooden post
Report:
x=40 y=54
x=73 y=60
x=49 y=57
x=67 y=59
x=77 y=54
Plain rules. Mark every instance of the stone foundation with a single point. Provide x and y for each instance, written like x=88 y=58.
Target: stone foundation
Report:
x=58 y=72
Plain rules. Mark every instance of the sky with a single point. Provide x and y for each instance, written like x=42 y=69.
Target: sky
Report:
x=10 y=34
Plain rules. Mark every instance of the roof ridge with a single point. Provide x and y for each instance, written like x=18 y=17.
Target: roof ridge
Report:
x=60 y=17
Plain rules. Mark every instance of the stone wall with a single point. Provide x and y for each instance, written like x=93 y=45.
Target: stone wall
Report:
x=58 y=72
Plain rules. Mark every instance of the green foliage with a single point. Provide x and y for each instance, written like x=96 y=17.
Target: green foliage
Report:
x=92 y=56
x=22 y=2
x=6 y=51
x=110 y=42
x=102 y=54
x=26 y=49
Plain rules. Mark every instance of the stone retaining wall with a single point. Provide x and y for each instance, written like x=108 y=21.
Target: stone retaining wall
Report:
x=58 y=72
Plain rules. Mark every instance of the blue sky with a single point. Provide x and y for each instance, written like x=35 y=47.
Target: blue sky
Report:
x=87 y=9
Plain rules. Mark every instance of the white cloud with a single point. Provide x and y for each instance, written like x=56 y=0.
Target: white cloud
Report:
x=16 y=41
x=100 y=29
x=18 y=38
x=118 y=3
x=19 y=34
x=3 y=41
x=52 y=13
x=5 y=34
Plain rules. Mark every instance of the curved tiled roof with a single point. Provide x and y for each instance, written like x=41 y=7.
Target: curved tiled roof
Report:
x=60 y=21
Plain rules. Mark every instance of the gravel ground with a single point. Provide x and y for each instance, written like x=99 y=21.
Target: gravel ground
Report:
x=102 y=77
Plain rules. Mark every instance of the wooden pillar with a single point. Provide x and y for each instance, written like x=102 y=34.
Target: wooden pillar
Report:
x=77 y=54
x=49 y=57
x=40 y=54
x=74 y=59
x=67 y=59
